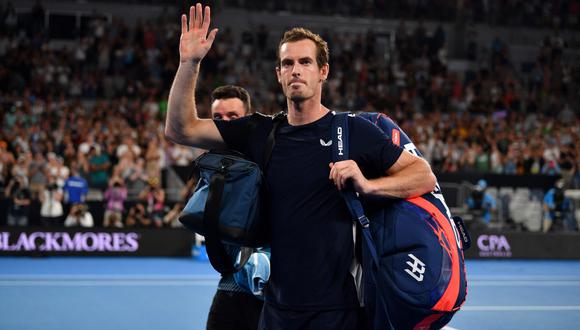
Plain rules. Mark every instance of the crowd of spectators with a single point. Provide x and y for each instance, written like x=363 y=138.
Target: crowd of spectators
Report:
x=528 y=13
x=94 y=110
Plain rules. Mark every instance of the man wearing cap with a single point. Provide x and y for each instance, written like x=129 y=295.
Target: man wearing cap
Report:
x=480 y=202
x=558 y=209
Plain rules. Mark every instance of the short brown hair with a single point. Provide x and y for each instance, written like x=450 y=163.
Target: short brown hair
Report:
x=297 y=34
x=230 y=92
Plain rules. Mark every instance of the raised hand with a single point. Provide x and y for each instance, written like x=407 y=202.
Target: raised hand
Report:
x=195 y=42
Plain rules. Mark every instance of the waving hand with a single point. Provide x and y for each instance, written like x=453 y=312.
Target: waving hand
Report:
x=195 y=41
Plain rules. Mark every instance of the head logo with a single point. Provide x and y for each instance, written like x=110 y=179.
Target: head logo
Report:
x=494 y=246
x=340 y=146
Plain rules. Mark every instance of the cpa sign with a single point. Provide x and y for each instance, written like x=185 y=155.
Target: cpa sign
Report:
x=494 y=246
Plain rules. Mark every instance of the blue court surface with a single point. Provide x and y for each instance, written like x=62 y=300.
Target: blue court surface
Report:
x=175 y=293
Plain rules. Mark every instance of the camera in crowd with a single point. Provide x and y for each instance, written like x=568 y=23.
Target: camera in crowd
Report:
x=477 y=194
x=80 y=210
x=153 y=184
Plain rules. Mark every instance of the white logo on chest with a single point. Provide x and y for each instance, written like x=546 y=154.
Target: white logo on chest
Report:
x=325 y=144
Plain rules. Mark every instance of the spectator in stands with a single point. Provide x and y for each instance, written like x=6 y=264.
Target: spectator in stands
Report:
x=99 y=165
x=37 y=175
x=551 y=168
x=567 y=163
x=154 y=198
x=123 y=168
x=51 y=210
x=21 y=168
x=114 y=221
x=59 y=171
x=19 y=194
x=137 y=217
x=558 y=209
x=6 y=162
x=76 y=188
x=171 y=219
x=85 y=146
x=115 y=198
x=480 y=203
x=181 y=155
x=128 y=144
x=154 y=158
x=79 y=216
x=137 y=180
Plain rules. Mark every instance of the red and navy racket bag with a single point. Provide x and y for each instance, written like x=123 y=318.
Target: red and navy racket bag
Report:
x=412 y=251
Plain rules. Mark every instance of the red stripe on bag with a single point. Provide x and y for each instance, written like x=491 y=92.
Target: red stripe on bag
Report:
x=426 y=323
x=447 y=302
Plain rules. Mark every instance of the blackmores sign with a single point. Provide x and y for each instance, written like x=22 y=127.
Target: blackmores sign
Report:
x=74 y=242
x=142 y=242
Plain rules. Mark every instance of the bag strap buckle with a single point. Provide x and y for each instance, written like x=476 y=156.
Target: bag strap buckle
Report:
x=364 y=221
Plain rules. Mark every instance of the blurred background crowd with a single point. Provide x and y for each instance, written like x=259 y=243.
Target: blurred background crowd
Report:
x=83 y=119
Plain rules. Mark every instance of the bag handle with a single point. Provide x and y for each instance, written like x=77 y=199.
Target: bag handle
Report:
x=218 y=257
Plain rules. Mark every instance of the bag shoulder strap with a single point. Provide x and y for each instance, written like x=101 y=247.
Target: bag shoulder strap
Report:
x=277 y=119
x=340 y=152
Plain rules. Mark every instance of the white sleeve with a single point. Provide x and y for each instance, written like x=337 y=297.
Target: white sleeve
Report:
x=69 y=222
x=87 y=220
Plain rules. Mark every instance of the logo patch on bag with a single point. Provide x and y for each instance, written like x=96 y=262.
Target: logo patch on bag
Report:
x=463 y=233
x=396 y=137
x=417 y=268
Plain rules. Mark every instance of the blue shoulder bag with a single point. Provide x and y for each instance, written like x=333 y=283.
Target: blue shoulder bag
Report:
x=226 y=206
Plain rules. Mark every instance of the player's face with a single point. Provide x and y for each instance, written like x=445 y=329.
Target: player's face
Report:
x=228 y=109
x=299 y=74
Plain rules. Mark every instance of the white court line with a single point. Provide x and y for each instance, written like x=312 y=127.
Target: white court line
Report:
x=136 y=282
x=448 y=328
x=75 y=277
x=518 y=308
x=524 y=283
x=525 y=278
